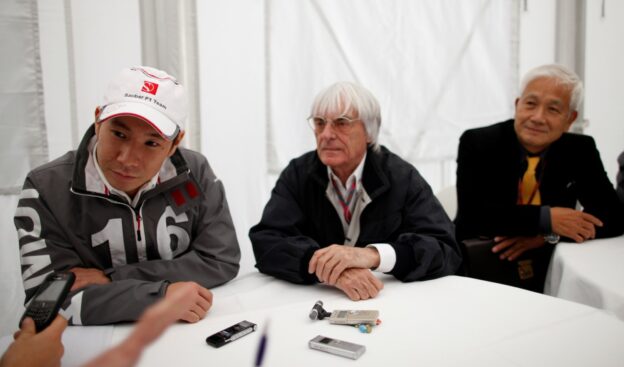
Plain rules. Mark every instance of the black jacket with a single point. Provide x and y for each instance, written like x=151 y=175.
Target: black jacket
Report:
x=299 y=219
x=490 y=164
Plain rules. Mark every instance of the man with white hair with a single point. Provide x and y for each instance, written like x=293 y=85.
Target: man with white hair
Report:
x=130 y=213
x=519 y=181
x=352 y=207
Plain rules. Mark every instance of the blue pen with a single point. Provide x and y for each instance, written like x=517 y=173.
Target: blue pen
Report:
x=262 y=345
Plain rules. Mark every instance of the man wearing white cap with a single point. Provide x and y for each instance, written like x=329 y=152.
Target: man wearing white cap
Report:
x=130 y=213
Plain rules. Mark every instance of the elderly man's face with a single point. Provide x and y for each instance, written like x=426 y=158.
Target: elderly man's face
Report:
x=543 y=114
x=130 y=152
x=342 y=149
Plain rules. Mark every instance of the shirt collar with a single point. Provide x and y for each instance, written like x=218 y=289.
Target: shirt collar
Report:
x=356 y=175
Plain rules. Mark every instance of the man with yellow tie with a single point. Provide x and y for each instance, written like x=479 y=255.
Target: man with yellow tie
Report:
x=519 y=181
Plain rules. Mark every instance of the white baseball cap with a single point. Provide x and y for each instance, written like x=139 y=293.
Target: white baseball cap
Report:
x=149 y=94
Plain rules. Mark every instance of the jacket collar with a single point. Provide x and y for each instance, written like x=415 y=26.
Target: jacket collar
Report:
x=374 y=179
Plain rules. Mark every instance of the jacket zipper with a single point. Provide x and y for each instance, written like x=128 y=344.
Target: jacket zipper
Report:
x=138 y=219
x=136 y=211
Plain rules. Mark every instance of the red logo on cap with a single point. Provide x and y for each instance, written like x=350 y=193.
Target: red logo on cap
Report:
x=149 y=87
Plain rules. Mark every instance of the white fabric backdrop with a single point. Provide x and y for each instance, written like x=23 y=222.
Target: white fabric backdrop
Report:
x=22 y=125
x=436 y=67
x=23 y=132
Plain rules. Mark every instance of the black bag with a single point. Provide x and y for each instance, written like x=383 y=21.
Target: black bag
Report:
x=528 y=271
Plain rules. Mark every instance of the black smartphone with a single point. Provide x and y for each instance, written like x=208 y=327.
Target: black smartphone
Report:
x=231 y=333
x=48 y=299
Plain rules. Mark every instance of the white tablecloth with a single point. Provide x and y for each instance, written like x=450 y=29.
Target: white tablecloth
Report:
x=452 y=321
x=591 y=273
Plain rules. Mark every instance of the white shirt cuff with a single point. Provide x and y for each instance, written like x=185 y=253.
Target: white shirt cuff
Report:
x=387 y=257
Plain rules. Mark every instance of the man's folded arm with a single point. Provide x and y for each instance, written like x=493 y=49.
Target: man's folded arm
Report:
x=111 y=303
x=426 y=248
x=280 y=248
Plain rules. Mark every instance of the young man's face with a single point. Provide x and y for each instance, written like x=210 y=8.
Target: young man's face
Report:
x=130 y=152
x=543 y=114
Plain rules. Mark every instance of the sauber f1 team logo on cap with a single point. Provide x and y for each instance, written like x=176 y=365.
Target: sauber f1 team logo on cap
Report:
x=149 y=87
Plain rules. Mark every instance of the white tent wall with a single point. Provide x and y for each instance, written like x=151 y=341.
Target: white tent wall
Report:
x=537 y=34
x=57 y=79
x=24 y=145
x=83 y=45
x=255 y=87
x=428 y=93
x=232 y=95
x=604 y=79
x=106 y=38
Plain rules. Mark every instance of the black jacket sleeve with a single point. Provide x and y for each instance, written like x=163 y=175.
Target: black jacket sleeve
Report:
x=280 y=247
x=425 y=246
x=596 y=193
x=620 y=178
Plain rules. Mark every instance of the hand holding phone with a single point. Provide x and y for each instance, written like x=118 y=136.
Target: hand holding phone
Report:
x=48 y=299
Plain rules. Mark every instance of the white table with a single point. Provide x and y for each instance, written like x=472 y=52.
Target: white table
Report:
x=450 y=321
x=591 y=273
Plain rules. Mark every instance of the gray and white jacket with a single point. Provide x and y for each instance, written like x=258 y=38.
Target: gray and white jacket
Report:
x=179 y=230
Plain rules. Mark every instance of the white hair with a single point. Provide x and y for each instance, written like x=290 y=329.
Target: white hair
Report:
x=347 y=95
x=563 y=76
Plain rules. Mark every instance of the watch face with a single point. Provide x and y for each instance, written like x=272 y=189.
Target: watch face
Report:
x=552 y=238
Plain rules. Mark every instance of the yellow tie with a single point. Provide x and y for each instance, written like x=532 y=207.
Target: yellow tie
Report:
x=530 y=194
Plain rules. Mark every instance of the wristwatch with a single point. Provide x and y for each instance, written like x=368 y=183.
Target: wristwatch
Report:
x=552 y=238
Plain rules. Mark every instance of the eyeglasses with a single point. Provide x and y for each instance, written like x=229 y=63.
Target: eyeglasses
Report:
x=341 y=124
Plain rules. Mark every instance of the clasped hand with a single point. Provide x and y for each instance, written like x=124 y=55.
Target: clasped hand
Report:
x=359 y=284
x=328 y=263
x=348 y=269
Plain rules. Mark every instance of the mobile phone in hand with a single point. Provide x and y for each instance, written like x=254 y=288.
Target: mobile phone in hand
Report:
x=47 y=301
